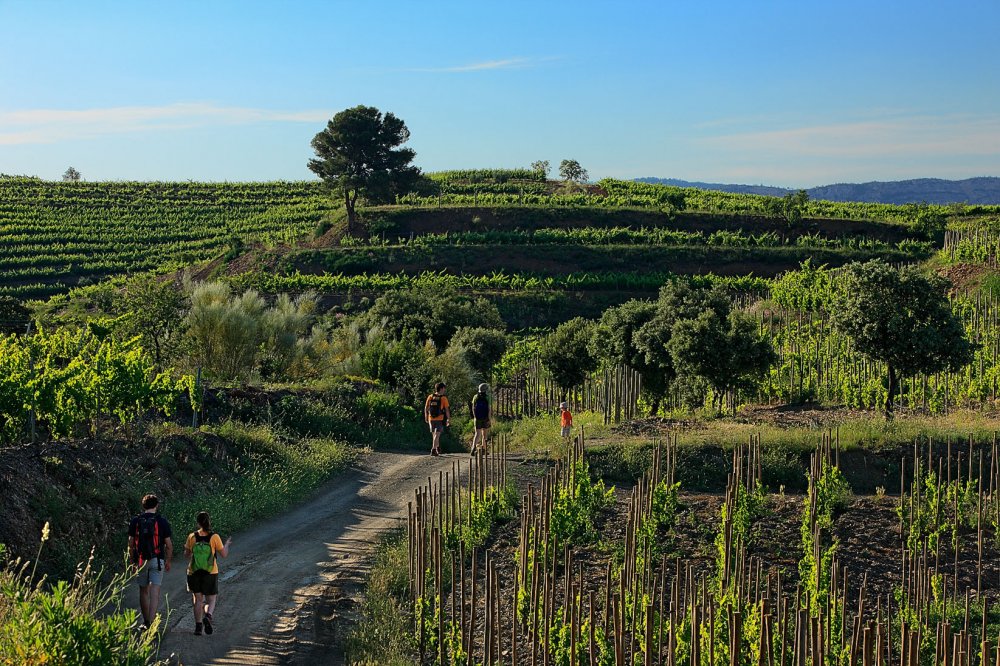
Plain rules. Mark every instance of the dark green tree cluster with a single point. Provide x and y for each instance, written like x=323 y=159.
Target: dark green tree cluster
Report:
x=432 y=315
x=690 y=339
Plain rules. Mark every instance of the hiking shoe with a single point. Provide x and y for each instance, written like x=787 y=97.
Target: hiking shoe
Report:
x=197 y=629
x=208 y=624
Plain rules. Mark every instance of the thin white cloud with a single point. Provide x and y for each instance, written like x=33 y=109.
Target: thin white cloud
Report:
x=32 y=126
x=915 y=136
x=486 y=65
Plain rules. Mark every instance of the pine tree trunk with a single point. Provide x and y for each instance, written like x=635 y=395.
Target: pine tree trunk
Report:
x=352 y=215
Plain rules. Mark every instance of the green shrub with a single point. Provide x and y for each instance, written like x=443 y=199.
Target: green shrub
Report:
x=74 y=624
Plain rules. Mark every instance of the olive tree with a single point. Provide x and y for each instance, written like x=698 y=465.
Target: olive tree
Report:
x=566 y=353
x=899 y=317
x=482 y=348
x=616 y=341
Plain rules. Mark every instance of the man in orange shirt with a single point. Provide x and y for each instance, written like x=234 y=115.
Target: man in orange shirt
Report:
x=566 y=420
x=437 y=414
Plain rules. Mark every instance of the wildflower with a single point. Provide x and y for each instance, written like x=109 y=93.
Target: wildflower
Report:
x=45 y=532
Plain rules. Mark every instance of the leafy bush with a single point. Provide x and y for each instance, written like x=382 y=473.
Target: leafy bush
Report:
x=77 y=624
x=808 y=288
x=575 y=506
x=482 y=348
x=431 y=313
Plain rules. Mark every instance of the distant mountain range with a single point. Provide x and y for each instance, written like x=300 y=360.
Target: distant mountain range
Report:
x=984 y=190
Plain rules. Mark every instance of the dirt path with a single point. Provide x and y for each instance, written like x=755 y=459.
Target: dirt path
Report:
x=288 y=581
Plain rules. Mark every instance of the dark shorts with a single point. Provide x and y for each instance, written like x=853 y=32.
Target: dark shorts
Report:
x=437 y=425
x=202 y=582
x=482 y=424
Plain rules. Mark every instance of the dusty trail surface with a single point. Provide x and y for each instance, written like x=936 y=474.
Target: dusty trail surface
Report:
x=288 y=583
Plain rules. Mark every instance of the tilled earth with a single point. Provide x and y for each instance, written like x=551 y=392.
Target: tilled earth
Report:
x=867 y=531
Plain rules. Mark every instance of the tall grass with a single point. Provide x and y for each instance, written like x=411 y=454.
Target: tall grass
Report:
x=273 y=474
x=540 y=434
x=384 y=635
x=78 y=623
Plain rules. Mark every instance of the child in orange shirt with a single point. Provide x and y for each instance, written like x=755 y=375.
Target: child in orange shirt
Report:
x=566 y=420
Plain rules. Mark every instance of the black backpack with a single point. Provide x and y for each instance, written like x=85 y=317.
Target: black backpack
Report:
x=480 y=406
x=434 y=406
x=147 y=538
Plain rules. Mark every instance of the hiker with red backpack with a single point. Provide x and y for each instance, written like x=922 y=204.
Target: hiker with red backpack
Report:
x=150 y=549
x=203 y=547
x=481 y=413
x=437 y=414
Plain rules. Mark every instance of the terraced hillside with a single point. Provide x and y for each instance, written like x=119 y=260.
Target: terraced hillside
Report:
x=577 y=249
x=509 y=234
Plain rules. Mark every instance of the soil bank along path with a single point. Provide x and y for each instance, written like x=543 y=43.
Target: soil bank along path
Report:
x=289 y=582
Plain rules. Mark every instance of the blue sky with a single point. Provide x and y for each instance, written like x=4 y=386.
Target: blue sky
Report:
x=783 y=93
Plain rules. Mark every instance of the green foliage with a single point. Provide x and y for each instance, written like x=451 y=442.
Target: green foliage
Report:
x=657 y=524
x=81 y=623
x=358 y=155
x=496 y=506
x=809 y=288
x=902 y=318
x=395 y=363
x=232 y=336
x=431 y=313
x=615 y=341
x=442 y=282
x=936 y=509
x=832 y=495
x=694 y=338
x=482 y=348
x=571 y=171
x=727 y=353
x=152 y=309
x=929 y=221
x=749 y=505
x=70 y=378
x=274 y=472
x=792 y=206
x=383 y=635
x=62 y=233
x=576 y=505
x=518 y=354
x=566 y=353
x=541 y=168
x=497 y=176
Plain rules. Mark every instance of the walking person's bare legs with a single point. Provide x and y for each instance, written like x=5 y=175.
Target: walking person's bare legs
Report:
x=152 y=603
x=144 y=604
x=483 y=435
x=199 y=607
